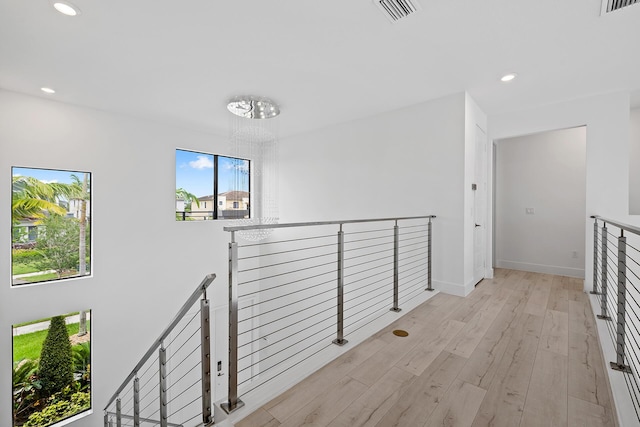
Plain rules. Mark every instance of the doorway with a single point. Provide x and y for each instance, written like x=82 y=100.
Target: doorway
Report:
x=540 y=202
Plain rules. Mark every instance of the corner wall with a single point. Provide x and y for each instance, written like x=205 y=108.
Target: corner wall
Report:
x=403 y=163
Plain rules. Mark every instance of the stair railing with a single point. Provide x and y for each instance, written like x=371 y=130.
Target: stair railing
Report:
x=165 y=391
x=616 y=285
x=309 y=285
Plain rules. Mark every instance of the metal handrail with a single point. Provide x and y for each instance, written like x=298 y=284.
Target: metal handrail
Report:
x=309 y=224
x=234 y=402
x=615 y=291
x=620 y=225
x=200 y=290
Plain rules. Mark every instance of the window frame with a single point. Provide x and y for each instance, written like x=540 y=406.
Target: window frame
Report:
x=216 y=204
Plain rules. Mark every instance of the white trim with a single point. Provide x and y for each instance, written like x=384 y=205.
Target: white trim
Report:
x=541 y=268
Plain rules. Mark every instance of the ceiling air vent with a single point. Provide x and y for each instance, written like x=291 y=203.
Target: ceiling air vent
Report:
x=612 y=5
x=395 y=10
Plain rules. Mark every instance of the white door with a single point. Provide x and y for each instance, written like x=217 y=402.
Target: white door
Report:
x=480 y=207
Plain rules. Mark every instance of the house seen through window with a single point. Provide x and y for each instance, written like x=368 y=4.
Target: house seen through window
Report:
x=209 y=186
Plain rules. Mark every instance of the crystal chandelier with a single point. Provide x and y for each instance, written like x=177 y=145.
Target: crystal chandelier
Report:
x=254 y=136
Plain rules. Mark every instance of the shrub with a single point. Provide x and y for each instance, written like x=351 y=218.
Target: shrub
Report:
x=60 y=408
x=25 y=388
x=25 y=256
x=56 y=361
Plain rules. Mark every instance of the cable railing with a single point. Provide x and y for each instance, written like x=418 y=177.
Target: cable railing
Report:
x=311 y=286
x=171 y=385
x=616 y=284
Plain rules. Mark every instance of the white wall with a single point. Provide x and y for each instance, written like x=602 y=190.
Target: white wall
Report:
x=545 y=172
x=634 y=162
x=414 y=156
x=145 y=263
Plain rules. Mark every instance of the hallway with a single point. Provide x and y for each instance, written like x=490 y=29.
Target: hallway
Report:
x=520 y=350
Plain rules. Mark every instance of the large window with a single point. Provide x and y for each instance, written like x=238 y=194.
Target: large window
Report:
x=51 y=225
x=209 y=186
x=51 y=369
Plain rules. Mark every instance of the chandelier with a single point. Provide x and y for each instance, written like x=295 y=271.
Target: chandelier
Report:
x=254 y=137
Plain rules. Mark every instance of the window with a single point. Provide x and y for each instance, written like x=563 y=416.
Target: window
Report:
x=203 y=178
x=51 y=366
x=51 y=225
x=235 y=205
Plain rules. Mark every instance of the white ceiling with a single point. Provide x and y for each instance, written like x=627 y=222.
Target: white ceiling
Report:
x=324 y=62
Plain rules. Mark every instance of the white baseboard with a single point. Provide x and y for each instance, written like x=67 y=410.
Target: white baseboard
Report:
x=453 y=288
x=541 y=268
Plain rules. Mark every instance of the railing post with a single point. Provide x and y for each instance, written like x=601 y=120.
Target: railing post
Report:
x=429 y=287
x=233 y=402
x=107 y=420
x=205 y=360
x=118 y=413
x=603 y=301
x=619 y=365
x=340 y=300
x=396 y=243
x=136 y=401
x=594 y=288
x=162 y=358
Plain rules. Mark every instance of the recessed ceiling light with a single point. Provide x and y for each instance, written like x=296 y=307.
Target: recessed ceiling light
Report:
x=508 y=77
x=66 y=8
x=47 y=90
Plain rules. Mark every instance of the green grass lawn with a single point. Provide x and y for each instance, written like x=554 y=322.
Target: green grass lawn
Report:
x=28 y=346
x=20 y=268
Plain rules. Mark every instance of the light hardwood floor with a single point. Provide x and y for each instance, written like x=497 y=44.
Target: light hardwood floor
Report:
x=520 y=350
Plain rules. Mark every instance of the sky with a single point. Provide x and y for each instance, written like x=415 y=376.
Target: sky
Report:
x=47 y=175
x=194 y=173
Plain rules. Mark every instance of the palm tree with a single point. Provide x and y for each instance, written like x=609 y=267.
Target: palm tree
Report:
x=32 y=198
x=188 y=198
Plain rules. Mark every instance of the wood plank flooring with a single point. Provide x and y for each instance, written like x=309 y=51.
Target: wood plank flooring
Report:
x=520 y=350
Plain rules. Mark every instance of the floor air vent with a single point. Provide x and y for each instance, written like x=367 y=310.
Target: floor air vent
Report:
x=612 y=5
x=395 y=10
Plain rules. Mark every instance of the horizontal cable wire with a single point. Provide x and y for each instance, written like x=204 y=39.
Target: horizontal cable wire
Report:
x=385 y=286
x=151 y=364
x=298 y=250
x=287 y=272
x=262 y=267
x=180 y=364
x=366 y=262
x=386 y=250
x=286 y=327
x=285 y=295
x=183 y=392
x=353 y=282
x=288 y=315
x=367 y=231
x=279 y=341
x=193 y=418
x=287 y=348
x=288 y=283
x=291 y=367
x=300 y=239
x=143 y=385
x=173 y=353
x=350 y=242
x=185 y=327
x=281 y=307
x=174 y=382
